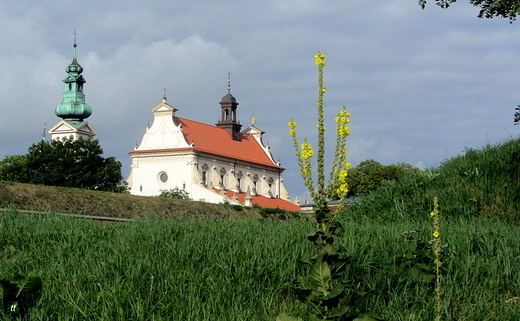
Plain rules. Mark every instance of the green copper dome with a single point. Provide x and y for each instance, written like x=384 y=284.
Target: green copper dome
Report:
x=73 y=106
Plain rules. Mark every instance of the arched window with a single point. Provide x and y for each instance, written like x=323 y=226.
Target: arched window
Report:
x=222 y=173
x=239 y=177
x=255 y=184
x=204 y=174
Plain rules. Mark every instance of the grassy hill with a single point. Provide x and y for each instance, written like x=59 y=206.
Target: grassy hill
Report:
x=479 y=183
x=117 y=205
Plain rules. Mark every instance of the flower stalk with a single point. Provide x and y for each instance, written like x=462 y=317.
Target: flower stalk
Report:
x=437 y=249
x=325 y=289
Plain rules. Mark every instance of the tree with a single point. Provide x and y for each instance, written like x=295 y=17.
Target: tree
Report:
x=12 y=168
x=369 y=175
x=68 y=163
x=508 y=9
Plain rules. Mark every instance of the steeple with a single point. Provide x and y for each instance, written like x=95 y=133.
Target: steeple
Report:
x=73 y=110
x=228 y=116
x=73 y=106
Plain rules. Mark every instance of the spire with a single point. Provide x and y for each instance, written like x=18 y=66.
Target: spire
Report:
x=73 y=106
x=229 y=82
x=44 y=138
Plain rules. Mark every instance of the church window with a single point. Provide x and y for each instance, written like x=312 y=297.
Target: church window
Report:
x=270 y=182
x=204 y=175
x=163 y=177
x=222 y=173
x=255 y=184
x=239 y=177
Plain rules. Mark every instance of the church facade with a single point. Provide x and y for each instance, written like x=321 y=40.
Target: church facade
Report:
x=215 y=164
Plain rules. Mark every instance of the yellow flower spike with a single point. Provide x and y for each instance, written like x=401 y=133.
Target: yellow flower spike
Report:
x=307 y=151
x=320 y=59
x=436 y=234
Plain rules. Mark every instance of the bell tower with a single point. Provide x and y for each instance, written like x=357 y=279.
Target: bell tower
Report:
x=73 y=109
x=228 y=114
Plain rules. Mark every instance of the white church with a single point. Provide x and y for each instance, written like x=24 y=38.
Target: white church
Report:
x=213 y=164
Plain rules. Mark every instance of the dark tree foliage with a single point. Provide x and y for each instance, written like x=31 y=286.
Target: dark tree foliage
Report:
x=68 y=163
x=508 y=9
x=369 y=175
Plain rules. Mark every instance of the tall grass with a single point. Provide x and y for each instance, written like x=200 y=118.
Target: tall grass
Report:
x=152 y=270
x=479 y=183
x=236 y=270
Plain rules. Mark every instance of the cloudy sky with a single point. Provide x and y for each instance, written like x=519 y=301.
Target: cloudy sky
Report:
x=421 y=85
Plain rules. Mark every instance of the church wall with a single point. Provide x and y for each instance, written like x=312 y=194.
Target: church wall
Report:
x=150 y=175
x=74 y=136
x=146 y=174
x=257 y=179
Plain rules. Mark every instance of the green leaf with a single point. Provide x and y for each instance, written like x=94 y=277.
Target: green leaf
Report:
x=412 y=246
x=304 y=259
x=340 y=310
x=29 y=284
x=337 y=290
x=319 y=274
x=7 y=293
x=285 y=317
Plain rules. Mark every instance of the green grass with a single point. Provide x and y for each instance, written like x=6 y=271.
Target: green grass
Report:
x=197 y=261
x=479 y=183
x=236 y=270
x=118 y=205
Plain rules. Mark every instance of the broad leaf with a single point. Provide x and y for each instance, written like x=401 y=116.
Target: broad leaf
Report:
x=304 y=259
x=319 y=274
x=337 y=290
x=28 y=284
x=339 y=310
x=7 y=293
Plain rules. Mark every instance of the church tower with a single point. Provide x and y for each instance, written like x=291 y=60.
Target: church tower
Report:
x=228 y=114
x=73 y=109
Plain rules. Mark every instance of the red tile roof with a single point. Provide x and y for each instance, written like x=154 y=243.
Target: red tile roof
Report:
x=217 y=141
x=264 y=201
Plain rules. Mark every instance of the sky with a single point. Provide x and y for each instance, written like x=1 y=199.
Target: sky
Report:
x=421 y=85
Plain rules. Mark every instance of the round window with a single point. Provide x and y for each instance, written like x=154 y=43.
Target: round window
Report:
x=163 y=177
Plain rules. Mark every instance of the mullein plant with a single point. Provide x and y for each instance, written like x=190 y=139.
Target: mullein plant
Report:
x=325 y=289
x=437 y=250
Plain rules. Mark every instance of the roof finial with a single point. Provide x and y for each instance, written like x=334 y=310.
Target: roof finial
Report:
x=44 y=138
x=75 y=34
x=229 y=81
x=164 y=95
